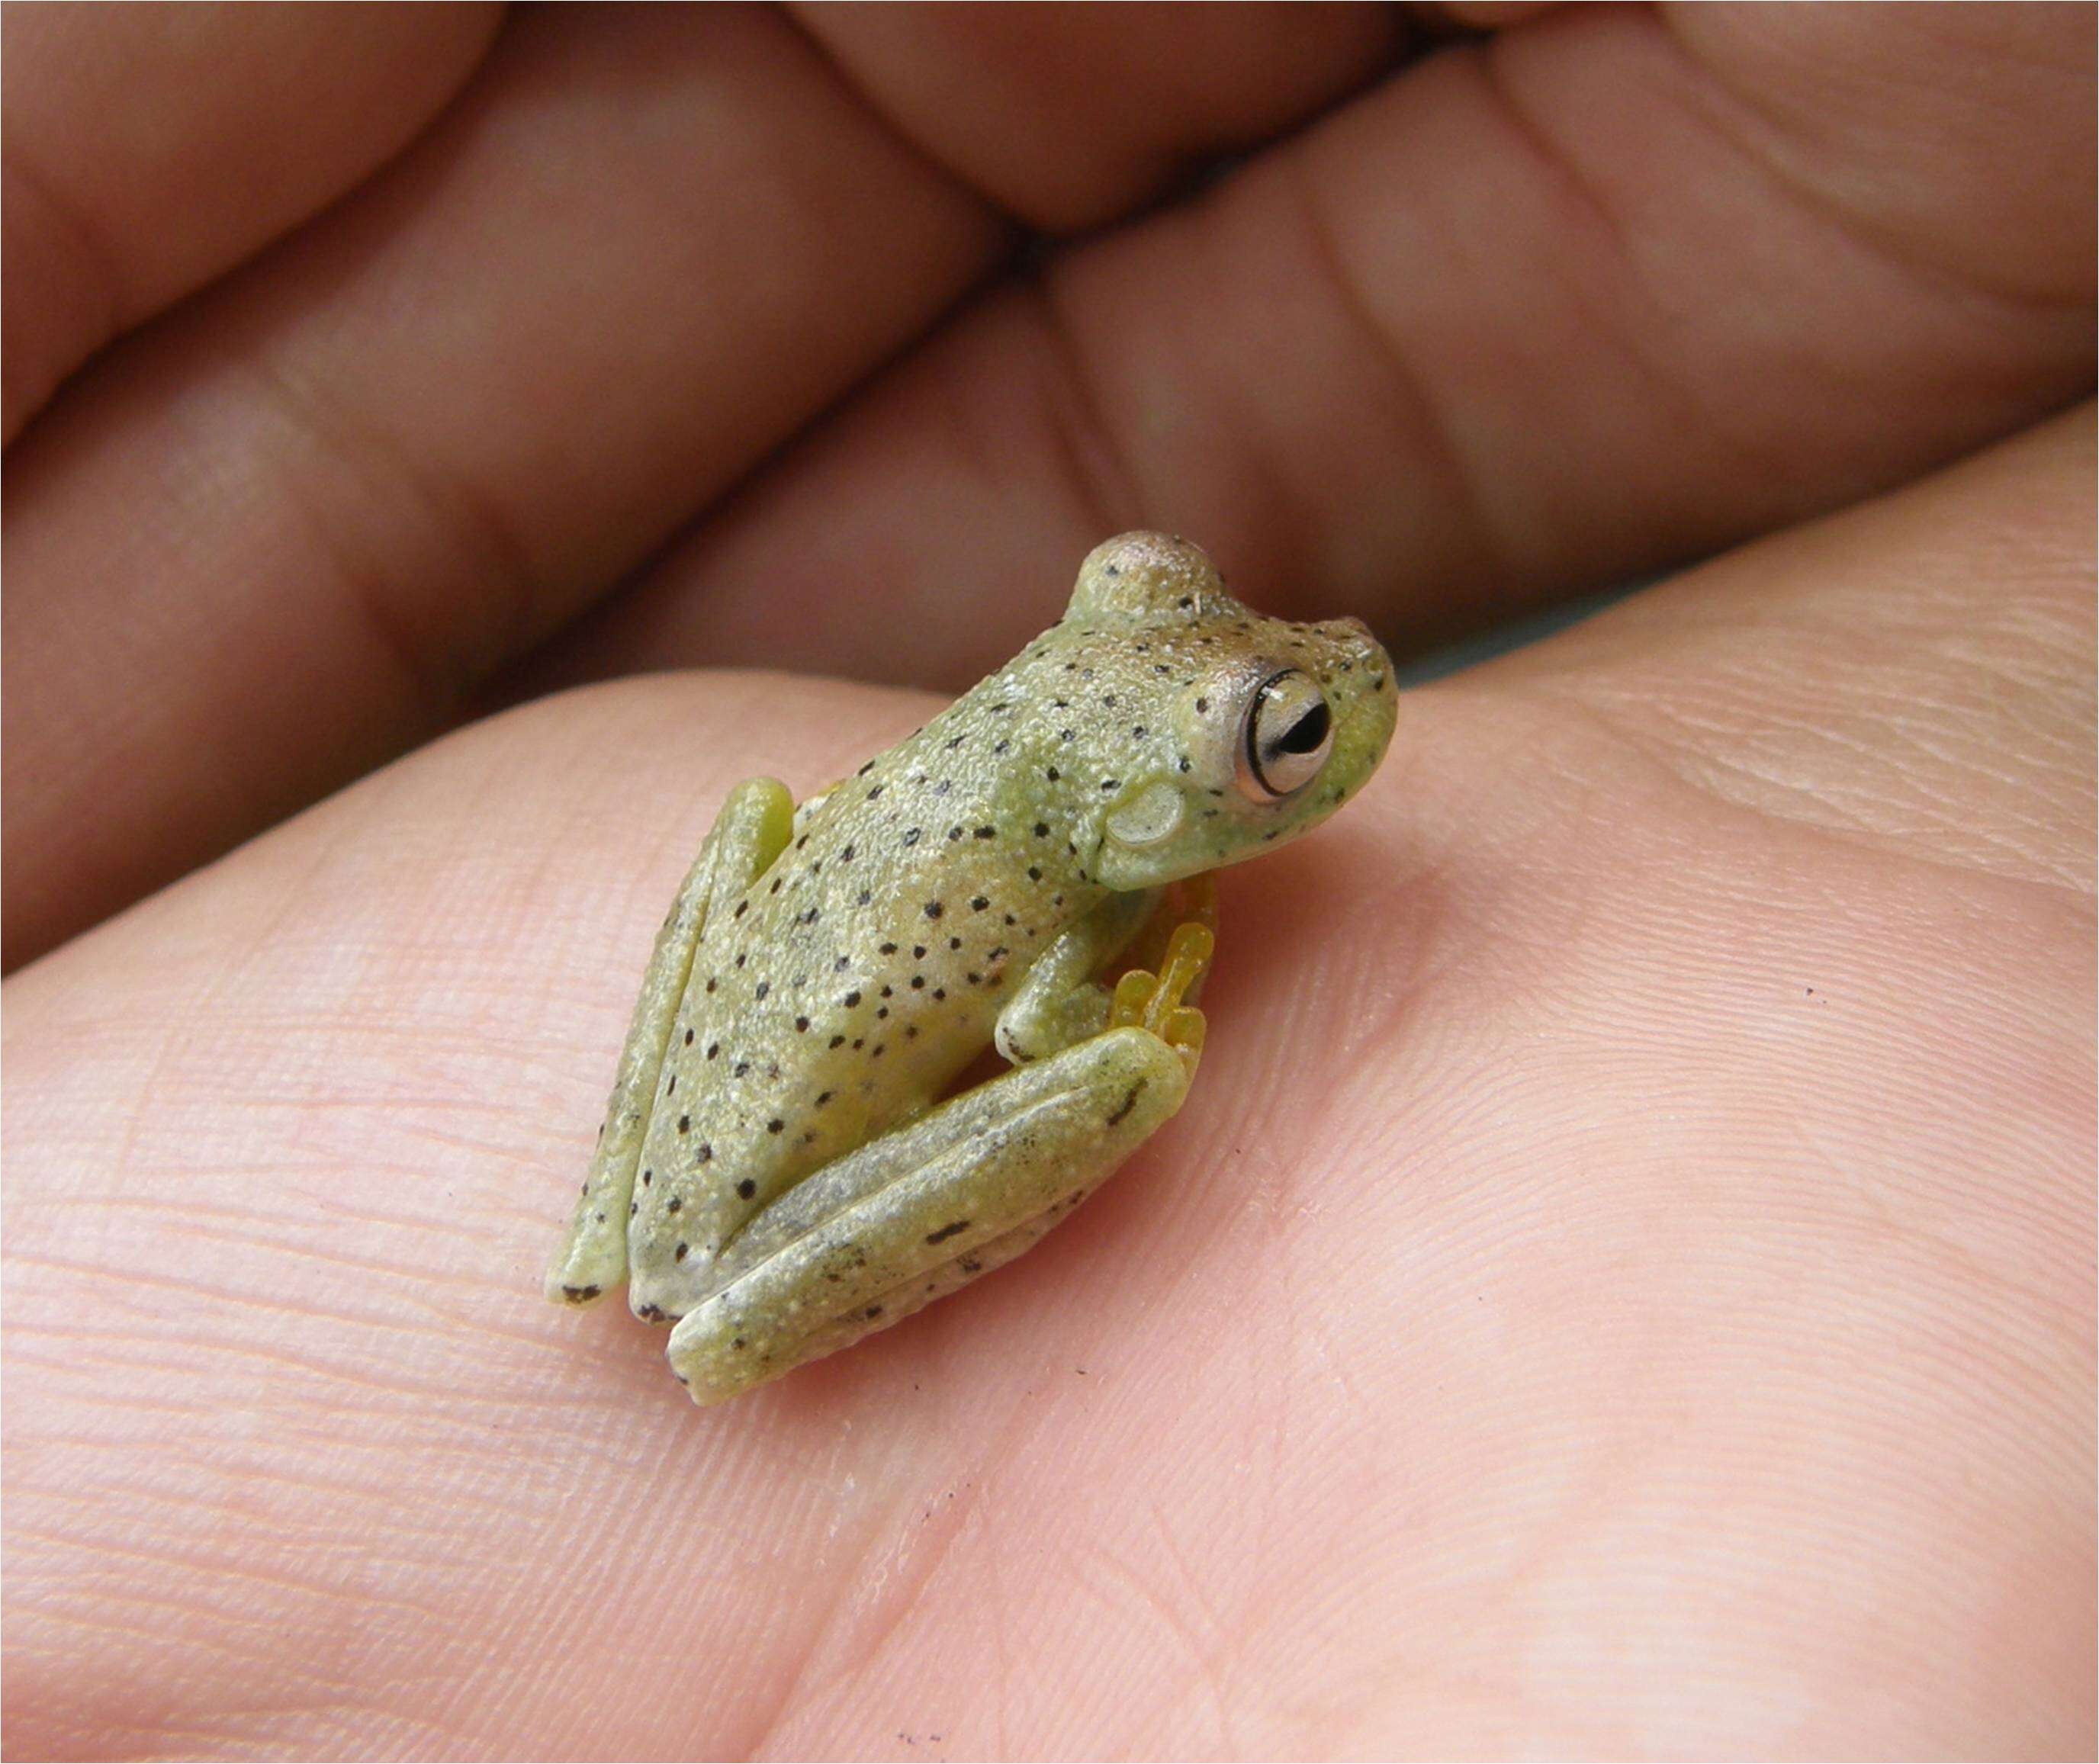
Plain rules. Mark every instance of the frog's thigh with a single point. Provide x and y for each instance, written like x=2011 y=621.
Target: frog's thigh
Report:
x=871 y=1238
x=753 y=828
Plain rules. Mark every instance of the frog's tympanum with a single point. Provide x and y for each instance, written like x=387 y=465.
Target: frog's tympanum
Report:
x=786 y=1165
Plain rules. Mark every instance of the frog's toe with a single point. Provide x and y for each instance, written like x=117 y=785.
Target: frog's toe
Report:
x=1153 y=1001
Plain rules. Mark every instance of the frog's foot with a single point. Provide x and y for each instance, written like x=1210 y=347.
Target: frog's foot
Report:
x=1156 y=1002
x=1193 y=901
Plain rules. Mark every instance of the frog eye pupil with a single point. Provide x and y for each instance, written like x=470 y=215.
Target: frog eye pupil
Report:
x=1305 y=735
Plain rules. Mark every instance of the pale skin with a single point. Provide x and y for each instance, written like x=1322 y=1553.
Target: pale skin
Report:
x=1623 y=1284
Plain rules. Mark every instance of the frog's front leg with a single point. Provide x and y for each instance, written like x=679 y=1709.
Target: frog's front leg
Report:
x=1062 y=1002
x=752 y=829
x=872 y=1238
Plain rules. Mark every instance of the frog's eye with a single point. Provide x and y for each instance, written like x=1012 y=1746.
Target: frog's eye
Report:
x=1288 y=733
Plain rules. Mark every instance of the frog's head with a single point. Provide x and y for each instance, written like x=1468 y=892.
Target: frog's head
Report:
x=1228 y=733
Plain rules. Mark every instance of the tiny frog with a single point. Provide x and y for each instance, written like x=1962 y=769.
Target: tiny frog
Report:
x=786 y=1165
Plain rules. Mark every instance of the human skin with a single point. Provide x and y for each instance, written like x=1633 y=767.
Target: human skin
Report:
x=1623 y=1283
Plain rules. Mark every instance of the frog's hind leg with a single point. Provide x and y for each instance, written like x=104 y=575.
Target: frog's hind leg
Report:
x=910 y=1217
x=753 y=828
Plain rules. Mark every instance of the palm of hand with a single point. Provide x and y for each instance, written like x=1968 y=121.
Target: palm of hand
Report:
x=1622 y=1283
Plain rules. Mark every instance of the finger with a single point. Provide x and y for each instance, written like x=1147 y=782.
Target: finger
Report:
x=647 y=247
x=1540 y=314
x=1069 y=117
x=272 y=1320
x=150 y=148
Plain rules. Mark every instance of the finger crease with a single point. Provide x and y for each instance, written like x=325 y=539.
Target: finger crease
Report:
x=1625 y=333
x=879 y=119
x=1441 y=452
x=1732 y=118
x=1101 y=474
x=439 y=653
x=100 y=284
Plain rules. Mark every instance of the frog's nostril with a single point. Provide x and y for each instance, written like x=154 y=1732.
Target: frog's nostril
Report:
x=1356 y=636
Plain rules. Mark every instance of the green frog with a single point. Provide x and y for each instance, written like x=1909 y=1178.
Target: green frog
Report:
x=786 y=1164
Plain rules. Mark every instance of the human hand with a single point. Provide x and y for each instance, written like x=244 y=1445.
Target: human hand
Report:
x=1623 y=1281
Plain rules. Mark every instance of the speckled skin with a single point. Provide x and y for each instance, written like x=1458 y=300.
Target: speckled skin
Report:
x=773 y=1170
